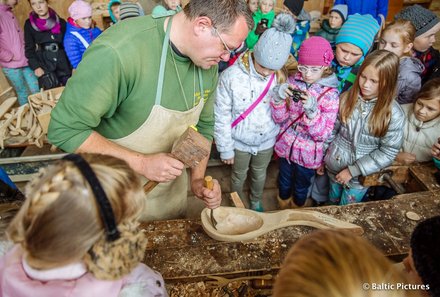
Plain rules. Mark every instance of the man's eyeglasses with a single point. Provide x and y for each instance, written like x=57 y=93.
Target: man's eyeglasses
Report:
x=313 y=70
x=227 y=49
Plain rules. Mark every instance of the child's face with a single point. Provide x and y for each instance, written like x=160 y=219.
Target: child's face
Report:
x=347 y=54
x=311 y=74
x=41 y=8
x=335 y=20
x=84 y=23
x=423 y=42
x=263 y=70
x=253 y=5
x=115 y=10
x=369 y=83
x=426 y=110
x=172 y=4
x=266 y=6
x=392 y=42
x=11 y=3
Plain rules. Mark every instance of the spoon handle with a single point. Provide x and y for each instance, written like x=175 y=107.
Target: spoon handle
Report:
x=210 y=185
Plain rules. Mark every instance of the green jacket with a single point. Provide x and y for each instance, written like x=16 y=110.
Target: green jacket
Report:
x=252 y=38
x=114 y=88
x=328 y=32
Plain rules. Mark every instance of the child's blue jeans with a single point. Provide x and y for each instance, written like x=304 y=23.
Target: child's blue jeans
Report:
x=294 y=180
x=24 y=82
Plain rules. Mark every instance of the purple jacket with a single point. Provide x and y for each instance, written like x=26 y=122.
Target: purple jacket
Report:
x=11 y=40
x=304 y=143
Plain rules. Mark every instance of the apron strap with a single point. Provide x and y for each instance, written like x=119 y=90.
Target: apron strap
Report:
x=163 y=59
x=202 y=92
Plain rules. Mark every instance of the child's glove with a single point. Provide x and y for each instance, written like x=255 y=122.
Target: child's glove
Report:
x=310 y=106
x=281 y=92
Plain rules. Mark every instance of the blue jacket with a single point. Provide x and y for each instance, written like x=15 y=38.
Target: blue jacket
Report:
x=373 y=7
x=73 y=46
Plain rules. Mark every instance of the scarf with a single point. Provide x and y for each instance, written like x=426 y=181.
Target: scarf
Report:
x=41 y=25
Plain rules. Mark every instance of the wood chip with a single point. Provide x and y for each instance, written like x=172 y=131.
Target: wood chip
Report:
x=413 y=216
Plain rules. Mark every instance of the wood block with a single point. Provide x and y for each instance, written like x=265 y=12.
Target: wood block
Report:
x=191 y=147
x=237 y=200
x=400 y=175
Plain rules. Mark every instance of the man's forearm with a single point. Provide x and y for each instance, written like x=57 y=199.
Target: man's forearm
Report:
x=96 y=143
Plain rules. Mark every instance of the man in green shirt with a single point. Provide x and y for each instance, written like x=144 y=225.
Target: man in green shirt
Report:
x=141 y=84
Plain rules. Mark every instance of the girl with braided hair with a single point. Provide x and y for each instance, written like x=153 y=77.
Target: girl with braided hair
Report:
x=76 y=234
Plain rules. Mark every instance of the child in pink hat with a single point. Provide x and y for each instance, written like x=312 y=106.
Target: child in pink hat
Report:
x=306 y=108
x=80 y=31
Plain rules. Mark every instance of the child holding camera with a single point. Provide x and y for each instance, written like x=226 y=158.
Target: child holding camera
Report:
x=263 y=19
x=306 y=108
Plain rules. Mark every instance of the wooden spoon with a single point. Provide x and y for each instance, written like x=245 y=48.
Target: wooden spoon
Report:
x=238 y=224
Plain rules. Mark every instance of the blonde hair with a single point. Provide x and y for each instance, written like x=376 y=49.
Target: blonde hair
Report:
x=60 y=221
x=405 y=29
x=335 y=263
x=387 y=65
x=430 y=90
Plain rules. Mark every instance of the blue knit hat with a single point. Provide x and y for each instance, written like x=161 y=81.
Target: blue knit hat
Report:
x=358 y=30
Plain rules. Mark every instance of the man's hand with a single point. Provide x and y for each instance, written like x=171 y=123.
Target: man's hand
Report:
x=344 y=176
x=320 y=170
x=159 y=167
x=211 y=198
x=405 y=158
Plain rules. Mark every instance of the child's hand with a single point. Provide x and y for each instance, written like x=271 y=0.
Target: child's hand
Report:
x=320 y=170
x=405 y=158
x=228 y=161
x=435 y=151
x=310 y=104
x=281 y=93
x=344 y=176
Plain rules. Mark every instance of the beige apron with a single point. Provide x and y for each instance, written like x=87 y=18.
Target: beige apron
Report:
x=157 y=135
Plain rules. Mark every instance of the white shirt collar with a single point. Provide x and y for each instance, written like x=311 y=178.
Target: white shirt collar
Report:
x=67 y=272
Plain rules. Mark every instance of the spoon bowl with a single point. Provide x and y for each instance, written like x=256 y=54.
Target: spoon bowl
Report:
x=240 y=224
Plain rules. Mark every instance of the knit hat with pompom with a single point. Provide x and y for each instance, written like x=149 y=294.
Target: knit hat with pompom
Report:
x=273 y=47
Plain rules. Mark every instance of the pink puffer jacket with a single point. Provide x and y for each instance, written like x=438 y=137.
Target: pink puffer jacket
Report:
x=304 y=143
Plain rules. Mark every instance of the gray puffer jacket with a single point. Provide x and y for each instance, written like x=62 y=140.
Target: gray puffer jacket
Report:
x=238 y=87
x=410 y=80
x=354 y=146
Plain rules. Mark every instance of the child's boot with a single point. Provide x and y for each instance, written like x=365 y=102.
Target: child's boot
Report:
x=284 y=203
x=257 y=205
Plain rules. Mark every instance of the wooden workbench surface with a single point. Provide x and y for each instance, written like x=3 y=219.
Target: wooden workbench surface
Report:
x=181 y=250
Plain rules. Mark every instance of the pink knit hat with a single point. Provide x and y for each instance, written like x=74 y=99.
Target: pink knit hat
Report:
x=80 y=9
x=315 y=51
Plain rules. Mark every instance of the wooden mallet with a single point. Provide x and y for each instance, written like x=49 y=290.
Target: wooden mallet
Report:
x=190 y=148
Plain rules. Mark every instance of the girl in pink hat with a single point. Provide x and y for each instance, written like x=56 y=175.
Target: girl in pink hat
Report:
x=80 y=31
x=306 y=108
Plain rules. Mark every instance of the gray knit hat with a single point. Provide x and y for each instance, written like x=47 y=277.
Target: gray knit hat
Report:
x=423 y=19
x=273 y=47
x=129 y=10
